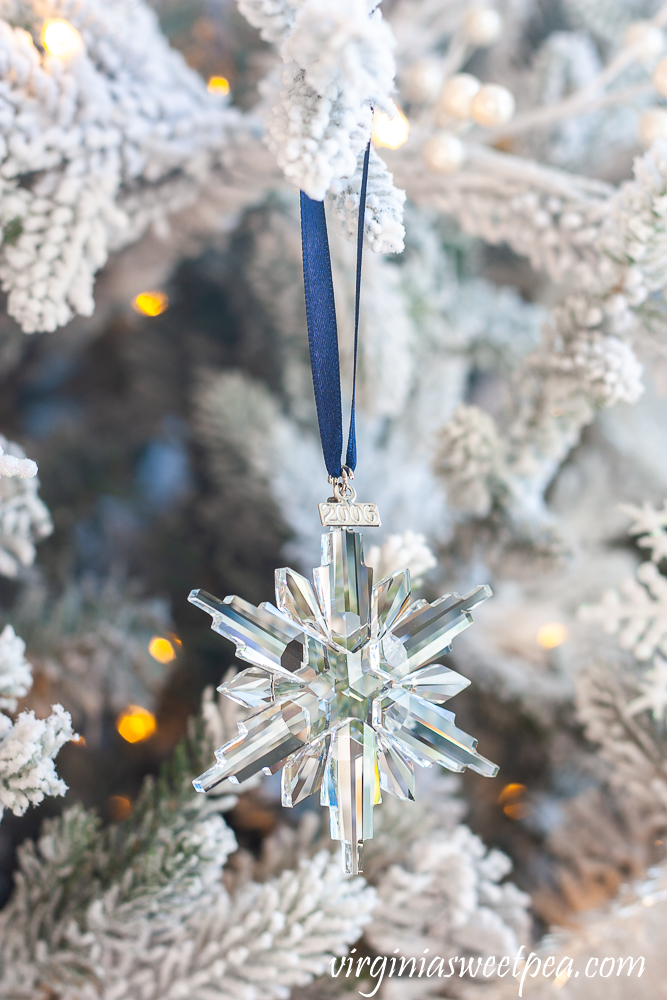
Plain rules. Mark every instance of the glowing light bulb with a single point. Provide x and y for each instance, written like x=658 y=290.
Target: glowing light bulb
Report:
x=161 y=649
x=60 y=38
x=390 y=132
x=551 y=635
x=136 y=724
x=150 y=303
x=218 y=85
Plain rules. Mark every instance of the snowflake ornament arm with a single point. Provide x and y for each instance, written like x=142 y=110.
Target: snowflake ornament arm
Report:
x=348 y=695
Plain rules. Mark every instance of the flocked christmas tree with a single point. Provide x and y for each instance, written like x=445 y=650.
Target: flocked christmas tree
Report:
x=510 y=398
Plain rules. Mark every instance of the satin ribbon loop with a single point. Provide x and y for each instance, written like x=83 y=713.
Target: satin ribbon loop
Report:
x=323 y=330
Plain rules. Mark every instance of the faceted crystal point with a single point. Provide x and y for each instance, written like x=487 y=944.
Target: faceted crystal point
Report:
x=349 y=697
x=261 y=635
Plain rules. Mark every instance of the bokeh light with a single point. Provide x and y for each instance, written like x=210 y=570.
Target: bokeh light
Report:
x=150 y=303
x=390 y=132
x=510 y=792
x=560 y=981
x=510 y=799
x=119 y=807
x=551 y=635
x=60 y=38
x=136 y=724
x=161 y=649
x=218 y=85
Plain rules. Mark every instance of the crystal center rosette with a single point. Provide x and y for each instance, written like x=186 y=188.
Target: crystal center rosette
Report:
x=347 y=696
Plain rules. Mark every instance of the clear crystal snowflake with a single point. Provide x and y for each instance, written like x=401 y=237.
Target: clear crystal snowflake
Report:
x=348 y=695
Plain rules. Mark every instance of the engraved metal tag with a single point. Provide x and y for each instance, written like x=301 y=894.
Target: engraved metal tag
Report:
x=349 y=514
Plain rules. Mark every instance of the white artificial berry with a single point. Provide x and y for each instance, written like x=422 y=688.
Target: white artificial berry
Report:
x=646 y=40
x=482 y=26
x=443 y=153
x=421 y=81
x=652 y=126
x=492 y=105
x=457 y=94
x=660 y=77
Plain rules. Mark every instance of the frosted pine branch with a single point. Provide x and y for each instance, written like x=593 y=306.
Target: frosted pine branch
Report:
x=141 y=908
x=423 y=329
x=447 y=897
x=24 y=518
x=15 y=671
x=338 y=66
x=636 y=610
x=12 y=465
x=384 y=228
x=547 y=215
x=610 y=245
x=96 y=154
x=408 y=550
x=267 y=938
x=632 y=924
x=27 y=749
x=89 y=644
x=651 y=527
x=632 y=744
x=652 y=695
x=470 y=457
x=272 y=18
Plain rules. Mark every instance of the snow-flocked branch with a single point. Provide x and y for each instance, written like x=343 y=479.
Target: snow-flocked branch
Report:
x=140 y=908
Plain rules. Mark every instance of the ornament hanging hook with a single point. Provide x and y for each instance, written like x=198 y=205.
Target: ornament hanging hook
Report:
x=343 y=490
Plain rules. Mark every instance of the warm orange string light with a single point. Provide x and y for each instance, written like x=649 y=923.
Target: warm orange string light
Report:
x=150 y=303
x=218 y=85
x=136 y=724
x=161 y=649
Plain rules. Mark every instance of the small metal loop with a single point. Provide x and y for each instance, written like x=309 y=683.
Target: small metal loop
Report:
x=344 y=492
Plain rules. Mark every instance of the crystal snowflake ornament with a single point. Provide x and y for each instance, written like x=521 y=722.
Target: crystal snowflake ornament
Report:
x=347 y=696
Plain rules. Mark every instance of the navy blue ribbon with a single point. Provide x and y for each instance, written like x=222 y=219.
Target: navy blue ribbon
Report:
x=323 y=331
